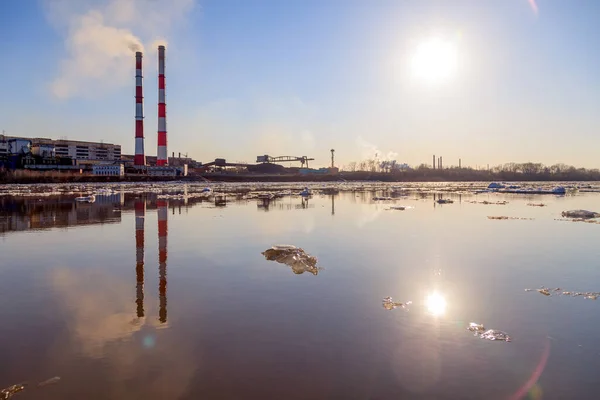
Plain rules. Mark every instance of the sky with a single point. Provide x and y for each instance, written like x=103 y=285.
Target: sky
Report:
x=300 y=77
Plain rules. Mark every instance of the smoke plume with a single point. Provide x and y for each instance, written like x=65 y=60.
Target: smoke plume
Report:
x=101 y=37
x=372 y=152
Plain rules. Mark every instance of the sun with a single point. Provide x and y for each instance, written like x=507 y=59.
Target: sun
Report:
x=434 y=60
x=436 y=304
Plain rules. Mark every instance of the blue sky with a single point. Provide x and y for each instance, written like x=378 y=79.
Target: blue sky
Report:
x=299 y=77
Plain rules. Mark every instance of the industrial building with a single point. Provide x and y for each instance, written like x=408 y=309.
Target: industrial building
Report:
x=78 y=152
x=108 y=170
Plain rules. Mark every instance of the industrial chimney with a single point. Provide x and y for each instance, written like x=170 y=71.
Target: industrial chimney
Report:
x=139 y=158
x=161 y=154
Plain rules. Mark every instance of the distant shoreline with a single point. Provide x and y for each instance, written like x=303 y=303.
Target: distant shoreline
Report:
x=449 y=175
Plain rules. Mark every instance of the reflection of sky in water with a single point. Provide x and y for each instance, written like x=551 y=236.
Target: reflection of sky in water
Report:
x=240 y=326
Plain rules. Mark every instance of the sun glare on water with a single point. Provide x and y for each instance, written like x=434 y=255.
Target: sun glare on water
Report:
x=434 y=60
x=436 y=304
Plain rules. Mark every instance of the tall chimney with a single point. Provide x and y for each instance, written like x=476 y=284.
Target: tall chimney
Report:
x=440 y=165
x=161 y=154
x=434 y=161
x=139 y=158
x=459 y=163
x=162 y=259
x=140 y=211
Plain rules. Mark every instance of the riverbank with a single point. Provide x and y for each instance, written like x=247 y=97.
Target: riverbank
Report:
x=426 y=175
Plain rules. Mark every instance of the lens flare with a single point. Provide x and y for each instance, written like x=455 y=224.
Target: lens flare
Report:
x=534 y=6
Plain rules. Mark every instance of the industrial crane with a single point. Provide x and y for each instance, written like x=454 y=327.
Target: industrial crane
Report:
x=268 y=159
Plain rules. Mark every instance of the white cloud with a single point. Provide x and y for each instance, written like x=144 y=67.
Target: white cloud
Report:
x=101 y=37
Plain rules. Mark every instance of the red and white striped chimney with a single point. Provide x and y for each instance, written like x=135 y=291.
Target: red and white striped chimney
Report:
x=162 y=259
x=139 y=158
x=161 y=154
x=140 y=213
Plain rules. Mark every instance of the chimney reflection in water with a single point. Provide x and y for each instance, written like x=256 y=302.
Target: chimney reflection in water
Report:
x=162 y=259
x=140 y=211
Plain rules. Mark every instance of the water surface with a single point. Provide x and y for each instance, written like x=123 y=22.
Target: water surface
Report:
x=143 y=295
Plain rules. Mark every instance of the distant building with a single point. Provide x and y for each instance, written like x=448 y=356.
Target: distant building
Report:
x=18 y=146
x=43 y=150
x=162 y=171
x=108 y=169
x=80 y=151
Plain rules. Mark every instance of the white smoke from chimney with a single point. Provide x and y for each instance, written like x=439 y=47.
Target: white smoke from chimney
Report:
x=101 y=37
x=373 y=152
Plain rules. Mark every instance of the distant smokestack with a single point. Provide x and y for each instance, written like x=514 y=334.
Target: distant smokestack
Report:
x=162 y=259
x=161 y=155
x=332 y=158
x=441 y=165
x=434 y=161
x=140 y=211
x=459 y=163
x=139 y=158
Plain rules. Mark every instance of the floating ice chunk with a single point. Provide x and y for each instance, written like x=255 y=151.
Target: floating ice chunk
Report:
x=580 y=214
x=494 y=334
x=544 y=291
x=475 y=327
x=389 y=304
x=49 y=381
x=10 y=391
x=399 y=208
x=496 y=185
x=306 y=192
x=86 y=199
x=294 y=257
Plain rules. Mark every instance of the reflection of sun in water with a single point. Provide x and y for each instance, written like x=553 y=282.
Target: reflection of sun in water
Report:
x=436 y=304
x=434 y=60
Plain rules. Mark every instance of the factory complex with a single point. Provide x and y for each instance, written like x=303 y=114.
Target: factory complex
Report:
x=106 y=159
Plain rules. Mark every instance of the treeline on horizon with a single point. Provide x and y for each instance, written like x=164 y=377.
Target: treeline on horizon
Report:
x=528 y=171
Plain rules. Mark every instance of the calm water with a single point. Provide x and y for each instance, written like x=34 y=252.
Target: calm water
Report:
x=140 y=297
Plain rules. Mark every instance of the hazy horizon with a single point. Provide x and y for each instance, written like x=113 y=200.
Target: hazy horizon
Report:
x=488 y=82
